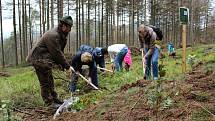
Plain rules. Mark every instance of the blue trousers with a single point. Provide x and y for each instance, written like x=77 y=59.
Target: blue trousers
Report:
x=152 y=60
x=119 y=58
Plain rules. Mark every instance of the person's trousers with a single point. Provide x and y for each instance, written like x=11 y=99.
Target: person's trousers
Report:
x=152 y=60
x=119 y=58
x=46 y=80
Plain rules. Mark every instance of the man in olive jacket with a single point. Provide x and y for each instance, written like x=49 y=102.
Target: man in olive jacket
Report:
x=47 y=52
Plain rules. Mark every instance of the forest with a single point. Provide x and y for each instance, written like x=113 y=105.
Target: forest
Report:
x=125 y=95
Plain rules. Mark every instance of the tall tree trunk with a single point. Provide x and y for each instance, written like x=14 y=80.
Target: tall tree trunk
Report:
x=133 y=14
x=52 y=13
x=30 y=25
x=95 y=26
x=191 y=22
x=77 y=27
x=129 y=26
x=102 y=43
x=26 y=29
x=99 y=23
x=114 y=22
x=82 y=21
x=152 y=12
x=79 y=22
x=20 y=33
x=23 y=28
x=48 y=23
x=206 y=23
x=117 y=21
x=14 y=29
x=2 y=41
x=69 y=45
x=107 y=12
x=60 y=9
x=40 y=4
x=88 y=23
x=43 y=16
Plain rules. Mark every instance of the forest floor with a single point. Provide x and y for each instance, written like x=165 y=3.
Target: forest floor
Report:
x=195 y=100
x=190 y=98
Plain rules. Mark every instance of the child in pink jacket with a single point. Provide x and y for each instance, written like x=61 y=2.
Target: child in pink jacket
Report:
x=128 y=60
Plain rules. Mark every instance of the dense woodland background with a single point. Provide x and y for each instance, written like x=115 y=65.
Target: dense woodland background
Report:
x=102 y=22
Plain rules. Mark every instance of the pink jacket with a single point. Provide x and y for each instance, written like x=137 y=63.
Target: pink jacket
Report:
x=127 y=58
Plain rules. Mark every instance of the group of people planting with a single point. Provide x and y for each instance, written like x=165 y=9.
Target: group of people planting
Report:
x=49 y=51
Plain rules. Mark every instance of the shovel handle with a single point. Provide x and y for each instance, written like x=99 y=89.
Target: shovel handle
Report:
x=88 y=81
x=143 y=62
x=85 y=79
x=104 y=69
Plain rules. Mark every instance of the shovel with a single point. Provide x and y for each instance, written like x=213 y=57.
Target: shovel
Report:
x=104 y=69
x=89 y=82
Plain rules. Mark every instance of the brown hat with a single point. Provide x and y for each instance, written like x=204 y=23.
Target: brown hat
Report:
x=86 y=57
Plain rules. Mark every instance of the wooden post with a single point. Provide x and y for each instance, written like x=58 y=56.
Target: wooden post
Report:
x=184 y=48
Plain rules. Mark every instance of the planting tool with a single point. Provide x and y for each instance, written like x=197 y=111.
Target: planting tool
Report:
x=89 y=82
x=143 y=63
x=105 y=69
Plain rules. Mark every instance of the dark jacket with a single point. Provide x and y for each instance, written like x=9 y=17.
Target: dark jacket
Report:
x=77 y=64
x=49 y=48
x=99 y=57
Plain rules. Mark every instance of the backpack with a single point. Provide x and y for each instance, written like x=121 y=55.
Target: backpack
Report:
x=157 y=31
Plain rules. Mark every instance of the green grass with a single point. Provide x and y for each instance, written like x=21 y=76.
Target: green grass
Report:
x=22 y=87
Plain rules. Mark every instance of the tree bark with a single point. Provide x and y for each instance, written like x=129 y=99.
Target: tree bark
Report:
x=2 y=41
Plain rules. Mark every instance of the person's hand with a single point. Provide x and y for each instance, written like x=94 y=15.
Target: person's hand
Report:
x=77 y=72
x=69 y=72
x=144 y=59
x=103 y=73
x=141 y=49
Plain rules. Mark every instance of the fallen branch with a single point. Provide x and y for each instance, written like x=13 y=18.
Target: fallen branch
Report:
x=205 y=109
x=136 y=103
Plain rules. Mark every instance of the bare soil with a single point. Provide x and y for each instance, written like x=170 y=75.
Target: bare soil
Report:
x=4 y=74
